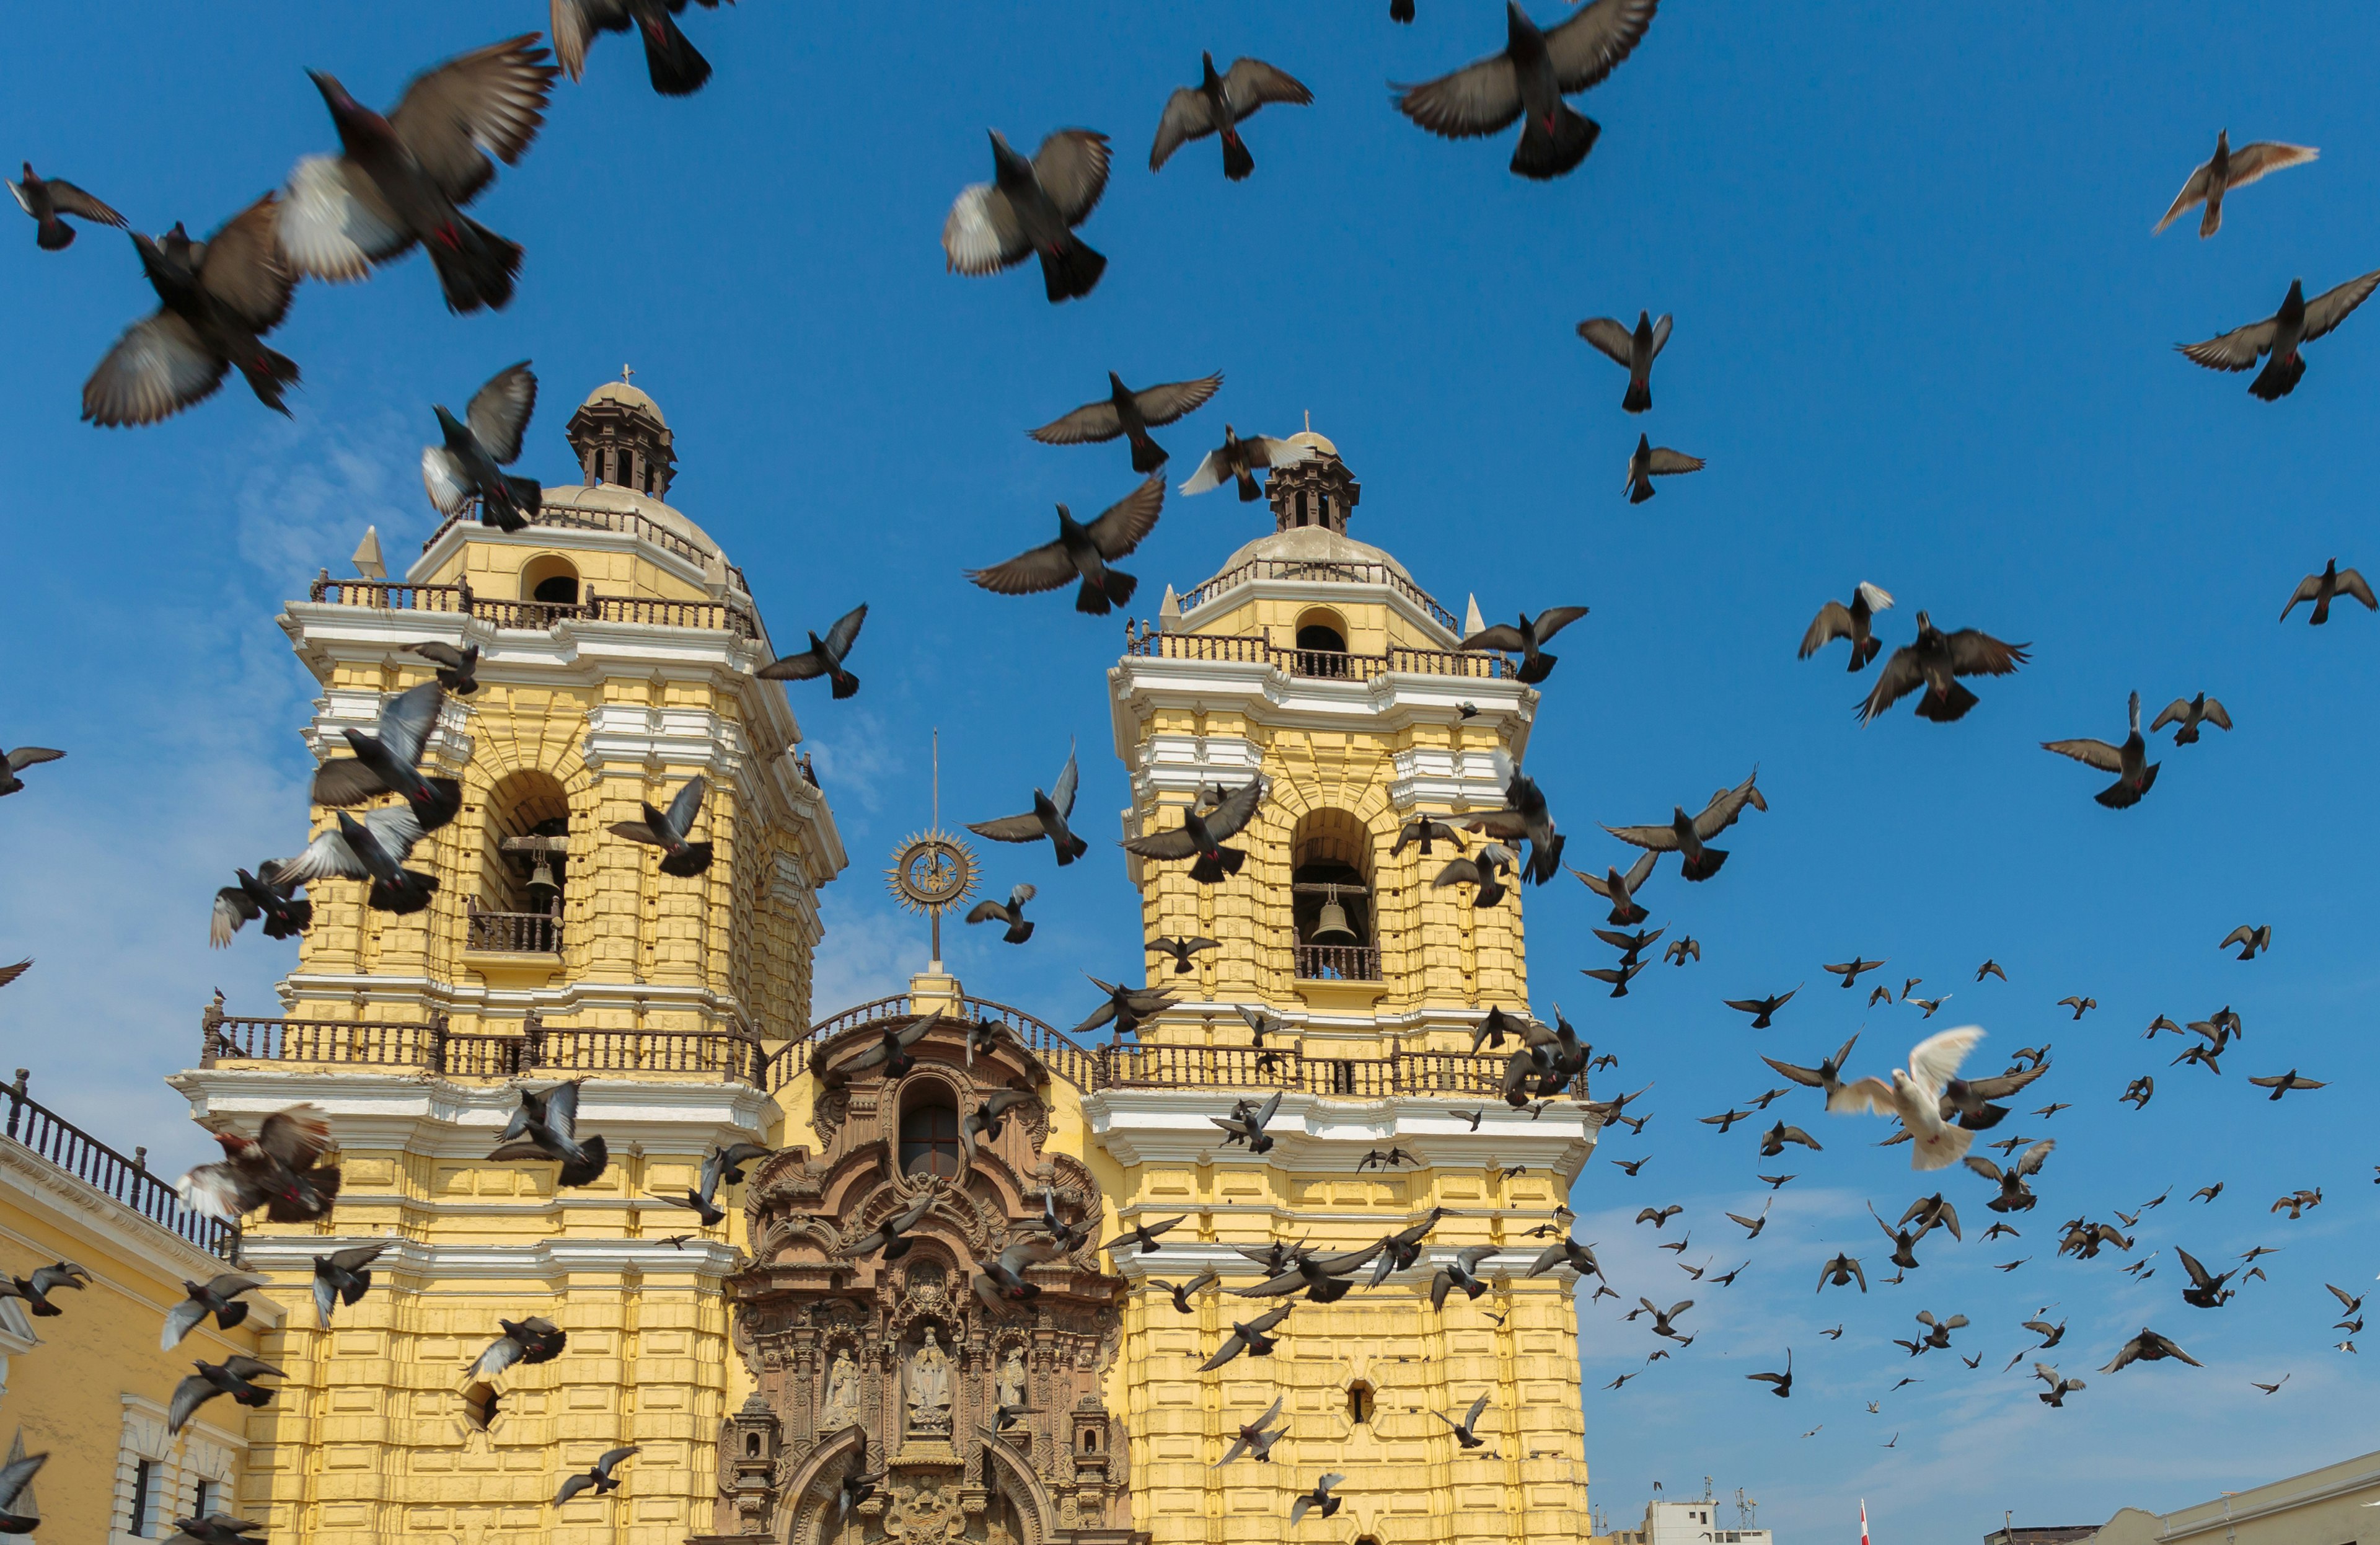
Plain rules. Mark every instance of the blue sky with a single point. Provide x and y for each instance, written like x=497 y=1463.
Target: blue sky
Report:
x=1922 y=336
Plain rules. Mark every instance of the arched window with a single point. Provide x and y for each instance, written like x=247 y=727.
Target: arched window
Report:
x=1090 y=1439
x=1359 y=1402
x=1301 y=506
x=929 y=1137
x=751 y=1445
x=1322 y=644
x=550 y=577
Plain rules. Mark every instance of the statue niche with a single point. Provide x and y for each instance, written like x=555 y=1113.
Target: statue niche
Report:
x=929 y=1397
x=895 y=1350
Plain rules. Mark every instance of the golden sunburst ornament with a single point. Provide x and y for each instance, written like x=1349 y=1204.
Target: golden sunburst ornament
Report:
x=931 y=871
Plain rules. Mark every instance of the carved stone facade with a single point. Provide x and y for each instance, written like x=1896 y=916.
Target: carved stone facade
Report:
x=895 y=1364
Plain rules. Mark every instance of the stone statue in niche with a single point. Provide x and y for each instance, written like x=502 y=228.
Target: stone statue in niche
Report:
x=840 y=1408
x=929 y=1389
x=1011 y=1380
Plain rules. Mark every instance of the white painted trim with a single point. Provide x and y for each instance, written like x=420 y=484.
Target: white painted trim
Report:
x=73 y=1205
x=1313 y=1135
x=706 y=1258
x=419 y=1113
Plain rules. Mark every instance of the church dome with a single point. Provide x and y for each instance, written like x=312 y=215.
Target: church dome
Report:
x=1308 y=437
x=620 y=392
x=604 y=500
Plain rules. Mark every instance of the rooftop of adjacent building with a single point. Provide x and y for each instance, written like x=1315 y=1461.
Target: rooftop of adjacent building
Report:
x=2041 y=1534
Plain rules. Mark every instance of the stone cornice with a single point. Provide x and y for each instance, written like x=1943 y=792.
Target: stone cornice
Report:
x=1180 y=1262
x=425 y=1114
x=551 y=1260
x=1316 y=1136
x=474 y=997
x=1243 y=596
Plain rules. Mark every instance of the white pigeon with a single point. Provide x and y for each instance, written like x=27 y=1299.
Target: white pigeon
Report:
x=1915 y=1096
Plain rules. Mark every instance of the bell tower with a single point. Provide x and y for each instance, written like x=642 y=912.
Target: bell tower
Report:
x=1319 y=663
x=615 y=651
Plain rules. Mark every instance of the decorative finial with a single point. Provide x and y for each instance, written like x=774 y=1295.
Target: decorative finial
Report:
x=367 y=559
x=624 y=373
x=1309 y=421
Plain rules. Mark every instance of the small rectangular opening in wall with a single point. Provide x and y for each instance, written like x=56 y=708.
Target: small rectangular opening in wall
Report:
x=144 y=1485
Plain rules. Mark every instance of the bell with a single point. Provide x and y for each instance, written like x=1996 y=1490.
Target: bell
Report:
x=1330 y=926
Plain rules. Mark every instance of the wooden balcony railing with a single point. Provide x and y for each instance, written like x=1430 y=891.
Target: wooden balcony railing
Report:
x=1318 y=573
x=1059 y=1053
x=1326 y=664
x=540 y=1050
x=512 y=933
x=536 y=616
x=125 y=1181
x=627 y=521
x=1457 y=1073
x=1337 y=962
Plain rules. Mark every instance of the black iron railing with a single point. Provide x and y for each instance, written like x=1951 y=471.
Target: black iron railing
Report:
x=125 y=1181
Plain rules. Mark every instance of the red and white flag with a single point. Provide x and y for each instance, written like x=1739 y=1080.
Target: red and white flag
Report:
x=1863 y=1521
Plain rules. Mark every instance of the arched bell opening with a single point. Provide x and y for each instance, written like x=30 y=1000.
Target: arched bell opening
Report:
x=524 y=866
x=1331 y=898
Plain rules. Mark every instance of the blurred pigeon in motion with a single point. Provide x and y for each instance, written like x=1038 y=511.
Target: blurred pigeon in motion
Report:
x=1029 y=209
x=2185 y=714
x=45 y=198
x=486 y=438
x=2299 y=322
x=1083 y=552
x=2318 y=588
x=1011 y=912
x=667 y=829
x=1046 y=819
x=1686 y=835
x=458 y=669
x=218 y=299
x=1178 y=950
x=285 y=916
x=1130 y=414
x=2135 y=774
x=35 y=1290
x=1914 y=1095
x=546 y=1127
x=387 y=759
x=671 y=62
x=1237 y=459
x=1633 y=350
x=403 y=178
x=525 y=1342
x=17 y=1515
x=1484 y=869
x=1529 y=79
x=2229 y=169
x=599 y=1478
x=234 y=1376
x=1201 y=836
x=342 y=1277
x=275 y=1170
x=218 y=1296
x=18 y=760
x=1525 y=814
x=1649 y=461
x=1932 y=660
x=1526 y=639
x=1854 y=622
x=373 y=850
x=824 y=657
x=1218 y=104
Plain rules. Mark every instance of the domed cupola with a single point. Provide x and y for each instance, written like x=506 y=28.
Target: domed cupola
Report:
x=621 y=439
x=1316 y=492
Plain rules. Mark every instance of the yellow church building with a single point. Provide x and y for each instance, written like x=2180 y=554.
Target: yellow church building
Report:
x=755 y=1365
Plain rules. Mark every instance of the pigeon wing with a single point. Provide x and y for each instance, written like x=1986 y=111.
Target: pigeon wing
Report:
x=159 y=367
x=1592 y=43
x=1073 y=167
x=490 y=101
x=1250 y=84
x=1833 y=621
x=1163 y=403
x=1088 y=424
x=982 y=234
x=1186 y=117
x=2092 y=753
x=1978 y=653
x=1609 y=336
x=406 y=720
x=1122 y=526
x=2236 y=350
x=73 y=201
x=2332 y=306
x=2192 y=194
x=500 y=411
x=688 y=804
x=243 y=270
x=1238 y=808
x=1045 y=567
x=1655 y=839
x=1062 y=794
x=2248 y=163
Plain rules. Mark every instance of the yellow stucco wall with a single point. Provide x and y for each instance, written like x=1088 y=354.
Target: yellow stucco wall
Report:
x=96 y=1380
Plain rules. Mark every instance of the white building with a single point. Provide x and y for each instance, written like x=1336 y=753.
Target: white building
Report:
x=1699 y=1521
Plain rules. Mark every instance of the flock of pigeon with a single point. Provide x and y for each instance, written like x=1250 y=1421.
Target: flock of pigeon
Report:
x=401 y=179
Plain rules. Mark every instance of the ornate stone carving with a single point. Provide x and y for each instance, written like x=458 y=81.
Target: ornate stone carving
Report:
x=902 y=1349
